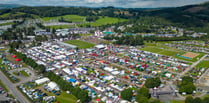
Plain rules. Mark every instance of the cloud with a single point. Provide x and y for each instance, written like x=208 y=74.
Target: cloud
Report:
x=104 y=3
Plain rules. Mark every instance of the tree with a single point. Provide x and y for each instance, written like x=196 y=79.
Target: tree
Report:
x=83 y=96
x=205 y=100
x=189 y=99
x=144 y=92
x=127 y=94
x=152 y=82
x=197 y=100
x=155 y=101
x=142 y=100
x=187 y=85
x=187 y=78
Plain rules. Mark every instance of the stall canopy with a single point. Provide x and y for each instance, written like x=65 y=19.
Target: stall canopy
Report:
x=98 y=100
x=72 y=80
x=14 y=56
x=18 y=59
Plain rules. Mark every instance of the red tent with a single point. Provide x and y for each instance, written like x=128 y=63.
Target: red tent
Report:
x=18 y=59
x=14 y=56
x=98 y=100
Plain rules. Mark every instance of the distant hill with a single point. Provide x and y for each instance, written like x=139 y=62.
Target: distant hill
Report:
x=190 y=16
x=9 y=6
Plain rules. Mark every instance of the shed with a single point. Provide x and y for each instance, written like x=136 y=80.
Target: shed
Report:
x=52 y=86
x=100 y=46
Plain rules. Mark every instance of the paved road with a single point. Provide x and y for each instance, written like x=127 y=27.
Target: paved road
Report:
x=13 y=90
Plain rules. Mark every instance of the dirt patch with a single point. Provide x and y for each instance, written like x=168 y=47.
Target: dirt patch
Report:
x=190 y=55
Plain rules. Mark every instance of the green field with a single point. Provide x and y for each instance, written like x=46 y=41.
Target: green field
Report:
x=61 y=26
x=62 y=98
x=85 y=34
x=3 y=24
x=24 y=73
x=161 y=48
x=73 y=18
x=203 y=64
x=66 y=98
x=7 y=15
x=159 y=51
x=80 y=44
x=174 y=101
x=4 y=86
x=104 y=21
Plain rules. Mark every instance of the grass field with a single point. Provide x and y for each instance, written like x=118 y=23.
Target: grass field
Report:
x=174 y=101
x=161 y=48
x=7 y=15
x=3 y=24
x=159 y=51
x=61 y=26
x=63 y=97
x=203 y=64
x=80 y=44
x=85 y=34
x=4 y=86
x=24 y=73
x=73 y=18
x=104 y=21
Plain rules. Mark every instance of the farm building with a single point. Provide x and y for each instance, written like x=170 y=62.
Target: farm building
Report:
x=100 y=46
x=42 y=80
x=67 y=45
x=52 y=86
x=80 y=30
x=42 y=32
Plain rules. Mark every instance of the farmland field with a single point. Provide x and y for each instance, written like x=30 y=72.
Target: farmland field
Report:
x=103 y=21
x=73 y=18
x=80 y=44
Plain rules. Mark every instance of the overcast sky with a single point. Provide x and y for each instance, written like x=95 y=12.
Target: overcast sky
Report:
x=104 y=3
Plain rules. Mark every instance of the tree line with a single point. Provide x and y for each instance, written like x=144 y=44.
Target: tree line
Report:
x=126 y=39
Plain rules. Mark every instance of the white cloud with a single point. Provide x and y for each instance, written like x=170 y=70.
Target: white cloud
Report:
x=94 y=1
x=103 y=3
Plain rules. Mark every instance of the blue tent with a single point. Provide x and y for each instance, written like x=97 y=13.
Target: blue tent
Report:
x=72 y=80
